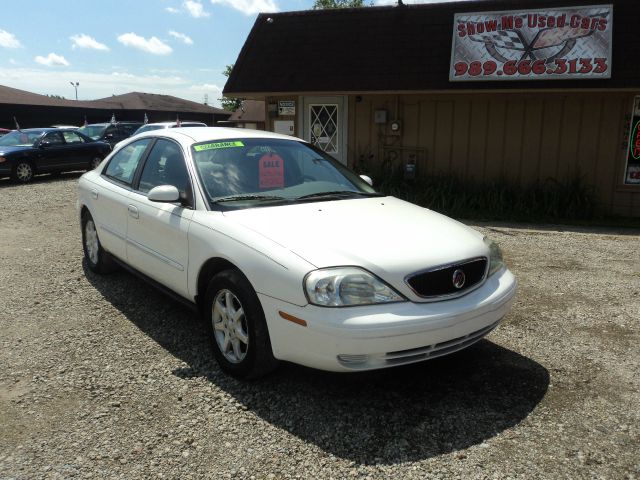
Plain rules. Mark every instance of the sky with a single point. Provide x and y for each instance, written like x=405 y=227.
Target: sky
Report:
x=111 y=47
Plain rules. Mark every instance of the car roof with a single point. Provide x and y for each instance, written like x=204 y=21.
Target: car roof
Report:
x=201 y=134
x=43 y=129
x=173 y=122
x=106 y=124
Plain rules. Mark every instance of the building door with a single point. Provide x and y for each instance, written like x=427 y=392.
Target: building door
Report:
x=324 y=125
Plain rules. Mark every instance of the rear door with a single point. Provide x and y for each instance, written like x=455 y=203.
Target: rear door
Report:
x=111 y=196
x=78 y=152
x=157 y=233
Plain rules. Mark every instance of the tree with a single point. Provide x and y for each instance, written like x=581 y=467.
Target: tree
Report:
x=230 y=104
x=328 y=4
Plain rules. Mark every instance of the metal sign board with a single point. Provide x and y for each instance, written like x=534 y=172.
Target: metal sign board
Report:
x=286 y=107
x=538 y=44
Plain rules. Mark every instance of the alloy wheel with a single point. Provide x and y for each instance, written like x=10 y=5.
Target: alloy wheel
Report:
x=230 y=326
x=91 y=241
x=24 y=172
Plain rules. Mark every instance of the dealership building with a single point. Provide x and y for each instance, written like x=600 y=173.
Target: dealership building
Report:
x=518 y=90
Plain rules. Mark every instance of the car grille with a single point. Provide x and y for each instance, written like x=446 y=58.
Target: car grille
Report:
x=439 y=282
x=438 y=349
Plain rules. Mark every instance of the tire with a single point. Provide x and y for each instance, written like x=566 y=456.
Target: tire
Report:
x=236 y=326
x=98 y=260
x=23 y=172
x=93 y=164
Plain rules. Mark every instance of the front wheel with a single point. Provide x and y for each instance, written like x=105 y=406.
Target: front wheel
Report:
x=237 y=327
x=98 y=260
x=23 y=172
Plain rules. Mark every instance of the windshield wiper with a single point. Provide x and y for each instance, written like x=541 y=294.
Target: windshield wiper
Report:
x=338 y=194
x=233 y=198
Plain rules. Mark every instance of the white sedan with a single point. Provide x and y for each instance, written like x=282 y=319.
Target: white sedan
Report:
x=287 y=254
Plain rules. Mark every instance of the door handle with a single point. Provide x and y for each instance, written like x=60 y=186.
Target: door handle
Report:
x=94 y=193
x=133 y=211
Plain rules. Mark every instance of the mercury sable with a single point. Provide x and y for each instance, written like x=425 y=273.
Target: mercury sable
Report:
x=289 y=255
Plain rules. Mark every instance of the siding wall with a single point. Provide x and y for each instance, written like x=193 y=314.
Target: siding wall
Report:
x=517 y=136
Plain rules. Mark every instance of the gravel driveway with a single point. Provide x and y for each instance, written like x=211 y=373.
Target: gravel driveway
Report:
x=103 y=377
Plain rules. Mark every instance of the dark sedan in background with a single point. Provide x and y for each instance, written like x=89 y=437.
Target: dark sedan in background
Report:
x=111 y=133
x=24 y=153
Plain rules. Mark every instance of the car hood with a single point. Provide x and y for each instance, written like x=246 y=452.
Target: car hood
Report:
x=9 y=150
x=385 y=235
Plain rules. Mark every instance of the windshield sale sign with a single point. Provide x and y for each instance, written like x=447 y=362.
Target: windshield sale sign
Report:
x=545 y=44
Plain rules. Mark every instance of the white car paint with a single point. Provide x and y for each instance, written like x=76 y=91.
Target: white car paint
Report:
x=275 y=247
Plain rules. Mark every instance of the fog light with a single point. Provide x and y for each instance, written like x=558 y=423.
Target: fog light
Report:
x=352 y=360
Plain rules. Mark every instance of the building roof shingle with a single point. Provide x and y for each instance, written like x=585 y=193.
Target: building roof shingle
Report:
x=397 y=48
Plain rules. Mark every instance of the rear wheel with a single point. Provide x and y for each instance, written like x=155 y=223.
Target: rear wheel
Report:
x=23 y=172
x=236 y=325
x=98 y=260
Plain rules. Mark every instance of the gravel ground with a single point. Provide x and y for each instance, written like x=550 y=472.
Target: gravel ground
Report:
x=103 y=377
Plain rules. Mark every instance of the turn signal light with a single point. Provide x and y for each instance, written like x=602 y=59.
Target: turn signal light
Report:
x=293 y=319
x=2 y=159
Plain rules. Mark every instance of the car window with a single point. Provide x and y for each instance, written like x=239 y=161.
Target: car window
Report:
x=148 y=128
x=127 y=130
x=93 y=131
x=164 y=166
x=72 y=137
x=122 y=166
x=111 y=132
x=53 y=138
x=20 y=138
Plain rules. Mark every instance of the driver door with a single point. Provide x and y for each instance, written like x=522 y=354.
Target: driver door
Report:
x=157 y=233
x=51 y=152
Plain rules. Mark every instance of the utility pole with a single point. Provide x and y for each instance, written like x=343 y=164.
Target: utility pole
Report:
x=75 y=86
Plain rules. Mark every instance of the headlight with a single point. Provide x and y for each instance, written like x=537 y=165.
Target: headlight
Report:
x=496 y=262
x=347 y=286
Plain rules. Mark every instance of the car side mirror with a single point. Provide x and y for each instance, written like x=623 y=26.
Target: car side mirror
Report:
x=164 y=194
x=109 y=135
x=44 y=144
x=367 y=179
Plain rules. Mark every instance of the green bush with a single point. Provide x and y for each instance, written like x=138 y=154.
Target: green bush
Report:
x=569 y=199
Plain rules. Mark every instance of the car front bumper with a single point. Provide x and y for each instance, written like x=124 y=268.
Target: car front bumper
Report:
x=381 y=336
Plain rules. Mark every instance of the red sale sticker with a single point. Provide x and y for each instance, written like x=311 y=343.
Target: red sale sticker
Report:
x=271 y=171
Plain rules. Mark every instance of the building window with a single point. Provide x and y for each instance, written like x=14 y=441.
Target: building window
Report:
x=632 y=172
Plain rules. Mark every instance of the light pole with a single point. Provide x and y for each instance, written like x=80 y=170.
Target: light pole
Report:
x=75 y=85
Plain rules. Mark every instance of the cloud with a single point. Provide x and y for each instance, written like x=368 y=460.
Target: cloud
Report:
x=85 y=41
x=8 y=40
x=153 y=45
x=94 y=85
x=195 y=9
x=172 y=10
x=52 y=60
x=250 y=7
x=182 y=37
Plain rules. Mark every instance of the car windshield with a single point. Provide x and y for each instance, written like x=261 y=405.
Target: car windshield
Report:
x=241 y=173
x=93 y=131
x=148 y=128
x=21 y=138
